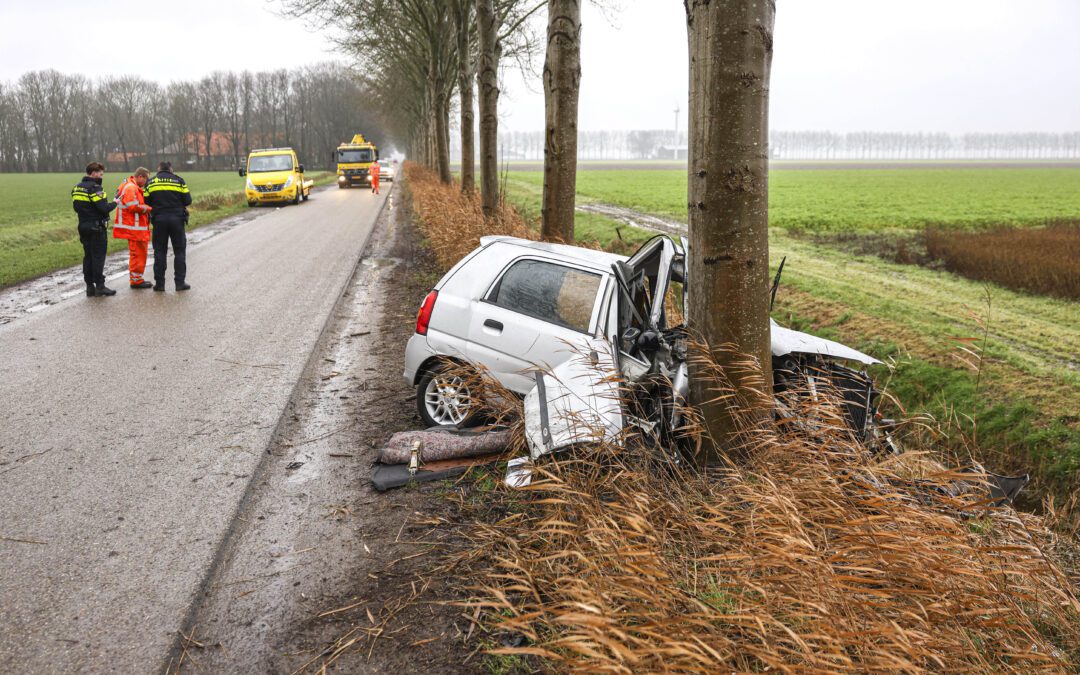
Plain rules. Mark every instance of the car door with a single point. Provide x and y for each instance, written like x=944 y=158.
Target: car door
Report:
x=531 y=317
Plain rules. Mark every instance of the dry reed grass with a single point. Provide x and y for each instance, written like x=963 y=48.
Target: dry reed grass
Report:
x=452 y=222
x=807 y=555
x=1042 y=260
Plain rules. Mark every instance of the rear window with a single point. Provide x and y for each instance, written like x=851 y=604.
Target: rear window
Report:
x=548 y=291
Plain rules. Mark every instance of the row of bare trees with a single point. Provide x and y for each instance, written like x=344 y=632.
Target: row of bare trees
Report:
x=52 y=121
x=859 y=145
x=416 y=55
x=421 y=59
x=922 y=145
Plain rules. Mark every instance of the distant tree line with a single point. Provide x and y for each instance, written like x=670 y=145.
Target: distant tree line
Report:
x=52 y=121
x=869 y=145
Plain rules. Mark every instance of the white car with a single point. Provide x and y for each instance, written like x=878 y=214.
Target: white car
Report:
x=520 y=307
x=386 y=170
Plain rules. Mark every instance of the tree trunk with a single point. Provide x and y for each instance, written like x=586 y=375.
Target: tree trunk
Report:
x=730 y=59
x=562 y=80
x=465 y=90
x=442 y=136
x=488 y=67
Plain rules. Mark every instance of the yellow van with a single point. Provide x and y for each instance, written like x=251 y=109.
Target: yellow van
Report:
x=275 y=175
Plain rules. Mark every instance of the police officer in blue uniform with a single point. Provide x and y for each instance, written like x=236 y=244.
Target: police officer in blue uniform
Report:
x=93 y=208
x=168 y=197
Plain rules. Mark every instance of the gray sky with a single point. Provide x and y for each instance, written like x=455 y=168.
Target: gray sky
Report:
x=933 y=65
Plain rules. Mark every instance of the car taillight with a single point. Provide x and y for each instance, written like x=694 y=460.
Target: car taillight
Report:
x=425 y=313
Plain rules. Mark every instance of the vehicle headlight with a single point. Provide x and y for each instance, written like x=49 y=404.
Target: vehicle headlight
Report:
x=288 y=182
x=250 y=185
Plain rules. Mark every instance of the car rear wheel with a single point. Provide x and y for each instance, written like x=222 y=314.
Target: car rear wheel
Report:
x=443 y=400
x=305 y=195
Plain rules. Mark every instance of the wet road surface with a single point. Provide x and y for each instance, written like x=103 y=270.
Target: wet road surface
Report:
x=132 y=427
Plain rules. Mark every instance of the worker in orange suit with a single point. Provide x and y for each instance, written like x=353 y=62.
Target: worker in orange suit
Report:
x=133 y=223
x=373 y=172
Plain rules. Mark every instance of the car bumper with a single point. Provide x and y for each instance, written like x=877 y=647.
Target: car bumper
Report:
x=417 y=351
x=353 y=180
x=279 y=196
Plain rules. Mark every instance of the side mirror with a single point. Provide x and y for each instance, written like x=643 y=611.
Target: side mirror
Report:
x=301 y=168
x=242 y=172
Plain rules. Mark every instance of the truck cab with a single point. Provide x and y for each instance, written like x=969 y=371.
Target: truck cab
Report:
x=354 y=160
x=275 y=175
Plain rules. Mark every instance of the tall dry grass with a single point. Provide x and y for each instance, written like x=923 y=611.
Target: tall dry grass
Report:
x=452 y=222
x=1043 y=260
x=809 y=554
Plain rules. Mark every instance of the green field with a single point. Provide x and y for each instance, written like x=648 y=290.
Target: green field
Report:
x=1021 y=410
x=37 y=225
x=836 y=200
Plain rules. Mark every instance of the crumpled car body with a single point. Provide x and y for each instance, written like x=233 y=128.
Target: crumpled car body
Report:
x=647 y=347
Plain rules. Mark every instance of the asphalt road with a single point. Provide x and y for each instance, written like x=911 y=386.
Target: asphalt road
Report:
x=132 y=426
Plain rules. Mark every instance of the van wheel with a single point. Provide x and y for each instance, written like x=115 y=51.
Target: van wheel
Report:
x=442 y=400
x=306 y=195
x=296 y=197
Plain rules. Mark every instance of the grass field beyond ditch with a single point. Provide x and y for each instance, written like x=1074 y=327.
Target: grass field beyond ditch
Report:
x=841 y=200
x=37 y=225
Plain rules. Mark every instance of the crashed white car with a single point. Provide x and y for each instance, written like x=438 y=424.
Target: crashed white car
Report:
x=545 y=319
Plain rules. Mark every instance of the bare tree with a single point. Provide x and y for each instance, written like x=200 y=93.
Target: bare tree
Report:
x=562 y=82
x=731 y=44
x=488 y=76
x=465 y=27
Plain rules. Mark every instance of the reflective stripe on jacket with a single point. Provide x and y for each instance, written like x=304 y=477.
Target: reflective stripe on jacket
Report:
x=132 y=220
x=167 y=194
x=90 y=203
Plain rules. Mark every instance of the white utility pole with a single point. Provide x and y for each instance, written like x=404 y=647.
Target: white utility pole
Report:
x=675 y=145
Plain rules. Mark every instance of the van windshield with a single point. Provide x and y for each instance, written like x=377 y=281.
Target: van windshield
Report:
x=354 y=156
x=264 y=163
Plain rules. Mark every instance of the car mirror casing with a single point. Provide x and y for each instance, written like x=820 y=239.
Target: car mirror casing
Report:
x=300 y=168
x=242 y=172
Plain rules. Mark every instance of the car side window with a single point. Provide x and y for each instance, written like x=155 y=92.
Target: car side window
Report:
x=548 y=291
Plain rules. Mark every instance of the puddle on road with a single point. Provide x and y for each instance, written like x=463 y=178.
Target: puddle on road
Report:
x=30 y=297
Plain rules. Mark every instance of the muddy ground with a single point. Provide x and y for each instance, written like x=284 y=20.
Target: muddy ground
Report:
x=320 y=566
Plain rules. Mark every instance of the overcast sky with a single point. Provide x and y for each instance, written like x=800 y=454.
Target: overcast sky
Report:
x=931 y=65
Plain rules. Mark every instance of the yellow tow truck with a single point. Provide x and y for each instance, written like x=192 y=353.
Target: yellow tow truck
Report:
x=354 y=159
x=275 y=175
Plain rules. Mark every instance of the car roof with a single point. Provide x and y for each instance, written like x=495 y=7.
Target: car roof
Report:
x=601 y=259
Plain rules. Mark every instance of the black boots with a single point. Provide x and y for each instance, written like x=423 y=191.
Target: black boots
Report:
x=101 y=290
x=181 y=286
x=142 y=284
x=90 y=290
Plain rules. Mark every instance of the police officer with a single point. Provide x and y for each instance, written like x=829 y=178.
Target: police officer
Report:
x=168 y=196
x=93 y=208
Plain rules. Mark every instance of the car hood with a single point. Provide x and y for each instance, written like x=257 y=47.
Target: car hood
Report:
x=786 y=341
x=268 y=177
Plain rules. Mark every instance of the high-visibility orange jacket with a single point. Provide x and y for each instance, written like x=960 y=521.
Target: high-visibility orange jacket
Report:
x=133 y=215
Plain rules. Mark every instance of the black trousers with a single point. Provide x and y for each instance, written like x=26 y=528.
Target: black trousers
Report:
x=168 y=227
x=95 y=242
